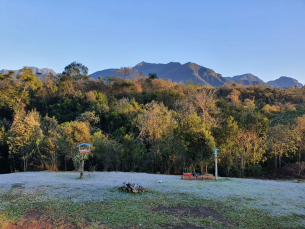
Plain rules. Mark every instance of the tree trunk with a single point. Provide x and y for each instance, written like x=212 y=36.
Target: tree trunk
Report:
x=280 y=161
x=275 y=161
x=81 y=166
x=24 y=167
x=65 y=163
x=228 y=170
x=242 y=167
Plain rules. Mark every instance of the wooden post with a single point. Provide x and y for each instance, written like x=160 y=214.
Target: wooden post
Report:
x=216 y=170
x=83 y=151
x=82 y=159
x=81 y=167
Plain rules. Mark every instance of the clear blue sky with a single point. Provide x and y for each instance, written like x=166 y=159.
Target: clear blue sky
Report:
x=265 y=38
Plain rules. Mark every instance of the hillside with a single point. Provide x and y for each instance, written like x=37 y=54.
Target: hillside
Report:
x=285 y=81
x=249 y=79
x=176 y=72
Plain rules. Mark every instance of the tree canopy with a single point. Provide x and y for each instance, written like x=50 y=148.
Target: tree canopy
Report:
x=146 y=124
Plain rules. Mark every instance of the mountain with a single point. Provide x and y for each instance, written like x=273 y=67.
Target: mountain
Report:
x=249 y=79
x=285 y=81
x=247 y=76
x=43 y=71
x=176 y=72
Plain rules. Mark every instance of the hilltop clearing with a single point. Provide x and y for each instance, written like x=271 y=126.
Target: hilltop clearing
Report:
x=59 y=199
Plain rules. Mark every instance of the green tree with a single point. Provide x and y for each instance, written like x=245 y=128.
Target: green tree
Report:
x=90 y=117
x=27 y=80
x=153 y=76
x=76 y=71
x=197 y=140
x=9 y=95
x=228 y=144
x=107 y=151
x=282 y=140
x=67 y=109
x=71 y=135
x=300 y=129
x=49 y=144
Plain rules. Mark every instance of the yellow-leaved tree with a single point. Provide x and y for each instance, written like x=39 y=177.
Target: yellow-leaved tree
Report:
x=25 y=135
x=71 y=135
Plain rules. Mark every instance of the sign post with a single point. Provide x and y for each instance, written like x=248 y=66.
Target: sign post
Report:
x=216 y=171
x=84 y=149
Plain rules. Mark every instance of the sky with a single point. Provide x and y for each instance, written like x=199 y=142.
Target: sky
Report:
x=265 y=38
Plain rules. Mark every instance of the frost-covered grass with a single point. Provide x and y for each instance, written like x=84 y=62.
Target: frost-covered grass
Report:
x=96 y=201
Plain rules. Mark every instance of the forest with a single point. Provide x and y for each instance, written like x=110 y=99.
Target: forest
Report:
x=146 y=124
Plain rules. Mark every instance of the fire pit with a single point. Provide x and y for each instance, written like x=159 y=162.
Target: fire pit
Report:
x=132 y=187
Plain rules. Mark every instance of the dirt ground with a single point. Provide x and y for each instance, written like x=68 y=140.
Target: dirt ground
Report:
x=194 y=212
x=289 y=172
x=33 y=220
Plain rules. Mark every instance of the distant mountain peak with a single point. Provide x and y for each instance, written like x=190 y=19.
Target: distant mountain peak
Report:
x=285 y=77
x=37 y=71
x=285 y=81
x=141 y=63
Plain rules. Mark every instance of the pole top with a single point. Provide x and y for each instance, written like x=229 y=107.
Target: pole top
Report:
x=215 y=149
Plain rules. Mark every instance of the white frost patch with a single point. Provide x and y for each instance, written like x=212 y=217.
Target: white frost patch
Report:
x=278 y=198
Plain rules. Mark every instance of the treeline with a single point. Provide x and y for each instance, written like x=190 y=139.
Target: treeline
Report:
x=146 y=124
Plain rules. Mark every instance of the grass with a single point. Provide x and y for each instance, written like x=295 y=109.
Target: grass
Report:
x=121 y=209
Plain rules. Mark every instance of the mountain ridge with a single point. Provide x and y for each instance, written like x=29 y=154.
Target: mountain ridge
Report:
x=175 y=71
x=37 y=71
x=283 y=80
x=190 y=71
x=178 y=72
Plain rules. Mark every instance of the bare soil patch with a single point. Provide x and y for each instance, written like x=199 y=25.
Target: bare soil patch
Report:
x=17 y=185
x=32 y=220
x=194 y=212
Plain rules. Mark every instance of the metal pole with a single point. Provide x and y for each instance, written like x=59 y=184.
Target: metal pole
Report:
x=216 y=165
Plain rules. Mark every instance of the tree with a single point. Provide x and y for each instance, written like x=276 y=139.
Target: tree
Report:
x=25 y=135
x=123 y=72
x=76 y=71
x=49 y=142
x=66 y=109
x=107 y=151
x=90 y=117
x=9 y=95
x=282 y=140
x=71 y=135
x=205 y=102
x=300 y=128
x=153 y=76
x=197 y=141
x=156 y=127
x=227 y=138
x=27 y=80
